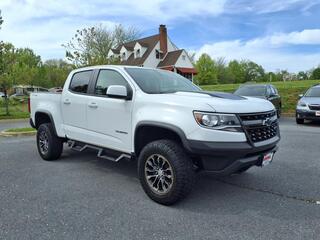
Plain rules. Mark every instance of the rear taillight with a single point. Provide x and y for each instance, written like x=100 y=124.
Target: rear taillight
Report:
x=29 y=106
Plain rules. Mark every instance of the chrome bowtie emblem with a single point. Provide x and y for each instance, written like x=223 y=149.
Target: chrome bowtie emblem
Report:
x=267 y=122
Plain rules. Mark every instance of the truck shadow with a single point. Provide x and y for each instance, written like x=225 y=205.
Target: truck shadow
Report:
x=89 y=156
x=211 y=195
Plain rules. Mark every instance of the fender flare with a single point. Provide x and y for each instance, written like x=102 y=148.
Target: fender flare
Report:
x=49 y=115
x=167 y=126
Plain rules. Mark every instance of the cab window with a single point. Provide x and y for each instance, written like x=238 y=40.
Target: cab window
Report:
x=80 y=82
x=107 y=78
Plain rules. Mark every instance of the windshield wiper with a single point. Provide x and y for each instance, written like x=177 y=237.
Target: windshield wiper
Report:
x=164 y=92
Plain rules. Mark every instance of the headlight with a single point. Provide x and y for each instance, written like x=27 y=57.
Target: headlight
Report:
x=302 y=104
x=219 y=121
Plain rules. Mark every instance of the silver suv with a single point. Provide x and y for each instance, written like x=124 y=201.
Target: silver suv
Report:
x=308 y=107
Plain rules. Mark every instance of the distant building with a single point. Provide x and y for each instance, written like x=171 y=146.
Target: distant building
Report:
x=27 y=89
x=156 y=51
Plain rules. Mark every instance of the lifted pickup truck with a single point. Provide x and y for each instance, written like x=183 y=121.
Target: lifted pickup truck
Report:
x=169 y=125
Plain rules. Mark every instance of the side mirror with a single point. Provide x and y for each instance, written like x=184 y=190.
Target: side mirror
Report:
x=117 y=91
x=300 y=95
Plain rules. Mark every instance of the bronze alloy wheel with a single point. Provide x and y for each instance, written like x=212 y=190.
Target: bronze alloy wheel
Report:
x=159 y=174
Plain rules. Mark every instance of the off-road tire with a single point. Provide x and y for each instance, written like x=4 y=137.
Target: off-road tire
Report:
x=54 y=143
x=299 y=120
x=182 y=168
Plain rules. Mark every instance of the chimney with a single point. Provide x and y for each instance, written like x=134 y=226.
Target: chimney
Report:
x=163 y=39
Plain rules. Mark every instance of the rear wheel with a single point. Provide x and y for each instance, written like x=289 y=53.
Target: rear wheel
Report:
x=165 y=171
x=49 y=145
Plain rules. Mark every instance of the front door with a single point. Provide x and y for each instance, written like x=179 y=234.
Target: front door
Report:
x=109 y=119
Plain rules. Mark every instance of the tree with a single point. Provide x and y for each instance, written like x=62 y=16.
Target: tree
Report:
x=90 y=46
x=1 y=20
x=121 y=35
x=26 y=67
x=207 y=72
x=316 y=73
x=237 y=71
x=253 y=71
x=55 y=72
x=7 y=60
x=223 y=73
x=302 y=75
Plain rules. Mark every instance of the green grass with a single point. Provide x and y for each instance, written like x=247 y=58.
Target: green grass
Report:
x=289 y=91
x=18 y=130
x=16 y=110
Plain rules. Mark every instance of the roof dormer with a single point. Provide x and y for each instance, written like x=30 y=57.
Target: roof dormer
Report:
x=139 y=49
x=125 y=53
x=113 y=53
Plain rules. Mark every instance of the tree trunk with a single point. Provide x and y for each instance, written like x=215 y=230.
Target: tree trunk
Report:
x=6 y=102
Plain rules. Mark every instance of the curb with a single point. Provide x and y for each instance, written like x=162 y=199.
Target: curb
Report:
x=16 y=134
x=13 y=120
x=288 y=115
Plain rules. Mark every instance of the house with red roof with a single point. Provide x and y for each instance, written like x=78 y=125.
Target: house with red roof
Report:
x=157 y=51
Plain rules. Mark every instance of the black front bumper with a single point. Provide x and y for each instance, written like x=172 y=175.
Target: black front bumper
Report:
x=307 y=114
x=225 y=158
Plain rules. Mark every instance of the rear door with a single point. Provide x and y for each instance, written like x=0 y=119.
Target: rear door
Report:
x=74 y=104
x=109 y=119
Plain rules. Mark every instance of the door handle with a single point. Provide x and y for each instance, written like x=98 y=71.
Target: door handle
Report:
x=67 y=102
x=93 y=105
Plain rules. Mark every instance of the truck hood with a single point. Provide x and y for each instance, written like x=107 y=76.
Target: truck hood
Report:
x=224 y=102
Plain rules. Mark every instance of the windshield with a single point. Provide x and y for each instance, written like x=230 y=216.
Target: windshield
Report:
x=251 y=91
x=313 y=92
x=161 y=81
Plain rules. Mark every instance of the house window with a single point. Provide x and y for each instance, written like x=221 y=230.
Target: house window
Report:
x=183 y=57
x=138 y=53
x=123 y=56
x=158 y=54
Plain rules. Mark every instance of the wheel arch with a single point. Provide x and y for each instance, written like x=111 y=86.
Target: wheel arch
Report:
x=148 y=131
x=44 y=117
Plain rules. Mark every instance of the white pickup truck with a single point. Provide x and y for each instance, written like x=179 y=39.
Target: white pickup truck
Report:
x=159 y=118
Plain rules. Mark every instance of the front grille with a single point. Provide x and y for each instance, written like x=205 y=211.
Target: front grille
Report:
x=314 y=107
x=257 y=116
x=260 y=126
x=262 y=133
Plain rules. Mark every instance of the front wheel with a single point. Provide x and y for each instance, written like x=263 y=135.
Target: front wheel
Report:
x=49 y=145
x=165 y=171
x=299 y=120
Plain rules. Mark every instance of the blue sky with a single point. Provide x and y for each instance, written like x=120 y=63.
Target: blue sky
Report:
x=278 y=34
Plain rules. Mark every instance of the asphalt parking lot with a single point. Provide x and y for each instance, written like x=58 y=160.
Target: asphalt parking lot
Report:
x=84 y=197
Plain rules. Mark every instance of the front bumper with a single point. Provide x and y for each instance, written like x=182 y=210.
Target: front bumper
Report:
x=307 y=114
x=225 y=158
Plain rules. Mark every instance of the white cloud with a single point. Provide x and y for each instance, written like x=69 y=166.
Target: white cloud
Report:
x=307 y=36
x=45 y=25
x=269 y=6
x=269 y=51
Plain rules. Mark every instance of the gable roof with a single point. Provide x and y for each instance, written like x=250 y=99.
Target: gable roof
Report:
x=148 y=42
x=170 y=59
x=116 y=51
